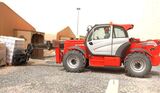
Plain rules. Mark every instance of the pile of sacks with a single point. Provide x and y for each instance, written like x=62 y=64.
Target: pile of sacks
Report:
x=7 y=47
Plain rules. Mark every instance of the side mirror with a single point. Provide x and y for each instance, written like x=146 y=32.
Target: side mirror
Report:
x=89 y=28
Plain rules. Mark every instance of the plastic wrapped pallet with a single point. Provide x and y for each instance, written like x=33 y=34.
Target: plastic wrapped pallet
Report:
x=12 y=44
x=2 y=54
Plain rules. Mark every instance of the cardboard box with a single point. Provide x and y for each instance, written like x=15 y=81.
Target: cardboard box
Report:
x=2 y=54
x=11 y=44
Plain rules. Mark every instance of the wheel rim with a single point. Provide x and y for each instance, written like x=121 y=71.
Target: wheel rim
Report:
x=138 y=65
x=73 y=61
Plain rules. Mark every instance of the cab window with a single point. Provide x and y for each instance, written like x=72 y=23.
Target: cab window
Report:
x=119 y=33
x=100 y=33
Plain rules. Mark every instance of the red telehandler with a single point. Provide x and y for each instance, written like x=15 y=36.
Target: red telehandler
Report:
x=108 y=45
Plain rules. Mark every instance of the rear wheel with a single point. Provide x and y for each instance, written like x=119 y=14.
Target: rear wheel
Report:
x=74 y=61
x=137 y=64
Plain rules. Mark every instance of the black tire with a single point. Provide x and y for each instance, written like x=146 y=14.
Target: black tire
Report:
x=137 y=64
x=19 y=58
x=74 y=61
x=87 y=63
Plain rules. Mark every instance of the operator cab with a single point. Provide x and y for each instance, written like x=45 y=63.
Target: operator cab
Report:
x=107 y=40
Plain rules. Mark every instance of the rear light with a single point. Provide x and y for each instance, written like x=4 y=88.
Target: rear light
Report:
x=158 y=43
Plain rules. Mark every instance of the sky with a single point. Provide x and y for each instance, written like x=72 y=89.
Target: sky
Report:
x=51 y=16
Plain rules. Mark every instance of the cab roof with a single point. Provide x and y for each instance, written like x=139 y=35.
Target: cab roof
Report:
x=125 y=26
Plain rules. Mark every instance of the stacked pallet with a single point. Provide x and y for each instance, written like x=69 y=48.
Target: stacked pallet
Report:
x=2 y=54
x=12 y=44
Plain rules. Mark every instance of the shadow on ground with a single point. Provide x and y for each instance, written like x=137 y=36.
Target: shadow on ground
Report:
x=113 y=70
x=47 y=63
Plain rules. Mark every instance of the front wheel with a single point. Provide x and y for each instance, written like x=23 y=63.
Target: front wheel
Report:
x=137 y=64
x=74 y=61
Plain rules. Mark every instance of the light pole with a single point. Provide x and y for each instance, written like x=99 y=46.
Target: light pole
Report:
x=78 y=9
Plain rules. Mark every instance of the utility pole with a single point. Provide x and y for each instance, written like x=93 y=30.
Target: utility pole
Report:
x=78 y=9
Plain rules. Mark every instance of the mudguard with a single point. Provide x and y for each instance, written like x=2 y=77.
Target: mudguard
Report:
x=122 y=49
x=77 y=48
x=140 y=50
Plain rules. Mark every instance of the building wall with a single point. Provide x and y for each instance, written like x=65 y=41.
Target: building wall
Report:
x=26 y=35
x=11 y=24
x=65 y=34
x=9 y=21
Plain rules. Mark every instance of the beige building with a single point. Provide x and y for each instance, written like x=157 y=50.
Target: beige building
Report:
x=11 y=24
x=65 y=34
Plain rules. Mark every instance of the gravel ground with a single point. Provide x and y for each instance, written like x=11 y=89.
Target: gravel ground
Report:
x=44 y=76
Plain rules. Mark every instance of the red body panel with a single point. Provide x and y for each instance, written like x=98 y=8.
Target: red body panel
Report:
x=73 y=44
x=104 y=61
x=153 y=50
x=155 y=60
x=58 y=55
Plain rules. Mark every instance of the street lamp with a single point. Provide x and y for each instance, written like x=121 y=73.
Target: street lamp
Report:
x=78 y=9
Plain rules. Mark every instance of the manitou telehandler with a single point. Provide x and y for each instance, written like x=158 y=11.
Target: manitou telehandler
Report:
x=109 y=45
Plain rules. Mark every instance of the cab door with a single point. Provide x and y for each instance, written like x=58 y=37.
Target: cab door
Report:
x=99 y=40
x=120 y=41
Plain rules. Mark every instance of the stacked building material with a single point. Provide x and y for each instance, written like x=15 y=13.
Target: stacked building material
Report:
x=12 y=44
x=2 y=54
